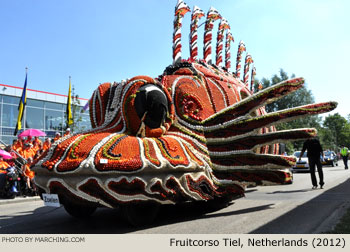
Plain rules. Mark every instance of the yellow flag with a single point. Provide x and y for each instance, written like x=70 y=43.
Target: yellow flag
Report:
x=69 y=109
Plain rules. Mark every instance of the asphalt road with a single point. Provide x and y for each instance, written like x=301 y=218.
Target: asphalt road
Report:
x=294 y=209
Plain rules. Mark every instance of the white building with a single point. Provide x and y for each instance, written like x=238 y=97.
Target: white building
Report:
x=44 y=110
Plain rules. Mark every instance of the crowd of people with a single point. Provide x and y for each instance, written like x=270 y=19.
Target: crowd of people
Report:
x=25 y=151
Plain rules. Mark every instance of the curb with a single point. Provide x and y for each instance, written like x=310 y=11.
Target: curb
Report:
x=19 y=200
x=333 y=219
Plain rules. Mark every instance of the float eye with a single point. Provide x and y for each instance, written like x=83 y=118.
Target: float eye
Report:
x=151 y=105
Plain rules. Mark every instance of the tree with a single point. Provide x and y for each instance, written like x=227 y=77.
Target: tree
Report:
x=337 y=129
x=300 y=97
x=327 y=139
x=346 y=134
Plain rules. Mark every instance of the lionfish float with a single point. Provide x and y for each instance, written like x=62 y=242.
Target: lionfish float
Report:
x=198 y=132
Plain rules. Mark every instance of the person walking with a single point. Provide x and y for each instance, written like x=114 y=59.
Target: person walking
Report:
x=344 y=152
x=314 y=154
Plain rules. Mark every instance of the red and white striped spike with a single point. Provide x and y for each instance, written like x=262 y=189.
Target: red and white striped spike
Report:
x=252 y=79
x=248 y=61
x=197 y=13
x=241 y=49
x=220 y=40
x=229 y=38
x=212 y=15
x=180 y=10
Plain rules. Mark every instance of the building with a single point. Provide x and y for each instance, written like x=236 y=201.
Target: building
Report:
x=45 y=111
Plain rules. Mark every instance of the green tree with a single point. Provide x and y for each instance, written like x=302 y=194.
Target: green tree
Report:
x=300 y=97
x=337 y=129
x=346 y=133
x=327 y=139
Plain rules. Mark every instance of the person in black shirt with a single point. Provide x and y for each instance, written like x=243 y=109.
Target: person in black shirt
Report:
x=314 y=153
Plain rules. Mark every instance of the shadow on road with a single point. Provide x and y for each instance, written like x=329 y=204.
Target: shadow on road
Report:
x=306 y=218
x=336 y=169
x=314 y=216
x=182 y=213
x=291 y=191
x=250 y=190
x=51 y=220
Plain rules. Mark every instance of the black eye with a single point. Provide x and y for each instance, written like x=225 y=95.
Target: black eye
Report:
x=151 y=105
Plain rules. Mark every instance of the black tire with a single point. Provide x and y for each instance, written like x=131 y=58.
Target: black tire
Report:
x=79 y=211
x=10 y=196
x=218 y=203
x=141 y=213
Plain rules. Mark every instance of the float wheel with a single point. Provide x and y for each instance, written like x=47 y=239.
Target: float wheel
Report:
x=79 y=211
x=140 y=213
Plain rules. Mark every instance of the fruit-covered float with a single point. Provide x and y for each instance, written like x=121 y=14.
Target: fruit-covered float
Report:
x=198 y=132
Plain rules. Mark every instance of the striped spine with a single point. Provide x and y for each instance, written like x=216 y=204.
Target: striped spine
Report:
x=248 y=61
x=241 y=49
x=180 y=10
x=220 y=40
x=212 y=15
x=197 y=13
x=229 y=38
x=252 y=80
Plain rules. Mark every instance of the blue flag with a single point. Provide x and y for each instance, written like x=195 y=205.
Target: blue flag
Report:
x=21 y=106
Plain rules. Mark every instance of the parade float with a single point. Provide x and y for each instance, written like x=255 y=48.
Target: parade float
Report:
x=198 y=132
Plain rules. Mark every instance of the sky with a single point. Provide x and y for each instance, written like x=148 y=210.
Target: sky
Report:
x=110 y=40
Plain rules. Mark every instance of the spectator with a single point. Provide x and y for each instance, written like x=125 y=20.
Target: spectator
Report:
x=11 y=161
x=3 y=165
x=38 y=154
x=47 y=144
x=29 y=140
x=17 y=145
x=29 y=174
x=37 y=146
x=36 y=141
x=57 y=136
x=21 y=144
x=67 y=132
x=28 y=151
